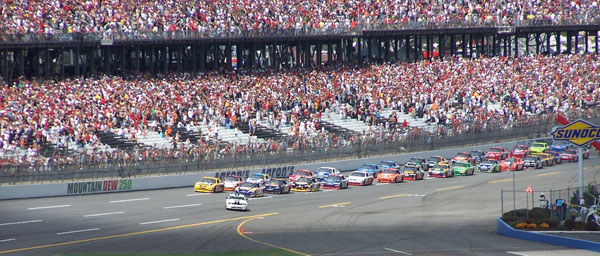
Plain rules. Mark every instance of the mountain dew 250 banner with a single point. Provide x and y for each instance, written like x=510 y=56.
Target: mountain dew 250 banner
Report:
x=87 y=187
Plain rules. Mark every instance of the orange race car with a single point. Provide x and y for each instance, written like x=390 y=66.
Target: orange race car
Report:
x=390 y=175
x=512 y=164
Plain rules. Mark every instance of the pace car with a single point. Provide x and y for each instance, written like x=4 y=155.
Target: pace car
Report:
x=463 y=169
x=390 y=175
x=324 y=172
x=278 y=186
x=236 y=202
x=231 y=182
x=432 y=161
x=250 y=189
x=539 y=147
x=441 y=170
x=497 y=153
x=371 y=169
x=413 y=172
x=360 y=178
x=489 y=165
x=209 y=184
x=301 y=173
x=512 y=164
x=306 y=184
x=258 y=178
x=338 y=181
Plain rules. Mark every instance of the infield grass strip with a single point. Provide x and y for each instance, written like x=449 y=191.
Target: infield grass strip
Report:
x=267 y=252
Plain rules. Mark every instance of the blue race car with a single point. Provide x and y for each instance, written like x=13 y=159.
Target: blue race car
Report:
x=335 y=182
x=324 y=172
x=560 y=145
x=278 y=186
x=385 y=164
x=371 y=169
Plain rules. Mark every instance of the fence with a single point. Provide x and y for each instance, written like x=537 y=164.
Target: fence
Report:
x=563 y=203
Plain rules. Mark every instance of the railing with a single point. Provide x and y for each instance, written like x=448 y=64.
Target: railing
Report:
x=234 y=32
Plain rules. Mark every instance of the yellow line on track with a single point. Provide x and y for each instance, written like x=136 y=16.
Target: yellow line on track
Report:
x=496 y=181
x=333 y=205
x=239 y=231
x=546 y=174
x=136 y=233
x=388 y=197
x=442 y=189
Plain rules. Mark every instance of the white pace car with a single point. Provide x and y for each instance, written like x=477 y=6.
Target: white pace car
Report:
x=236 y=202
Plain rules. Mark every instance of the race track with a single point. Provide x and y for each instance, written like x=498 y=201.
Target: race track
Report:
x=454 y=216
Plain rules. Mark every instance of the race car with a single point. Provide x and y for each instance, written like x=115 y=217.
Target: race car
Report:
x=441 y=170
x=463 y=169
x=519 y=151
x=278 y=186
x=533 y=161
x=371 y=169
x=420 y=161
x=539 y=147
x=324 y=172
x=489 y=165
x=432 y=161
x=360 y=178
x=301 y=173
x=412 y=172
x=548 y=159
x=306 y=184
x=337 y=181
x=497 y=153
x=250 y=189
x=210 y=185
x=390 y=175
x=258 y=178
x=512 y=164
x=477 y=156
x=556 y=156
x=231 y=182
x=560 y=145
x=384 y=164
x=236 y=202
x=463 y=157
x=571 y=155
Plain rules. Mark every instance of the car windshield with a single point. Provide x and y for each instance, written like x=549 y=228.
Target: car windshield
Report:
x=410 y=168
x=238 y=197
x=358 y=174
x=416 y=160
x=520 y=147
x=389 y=171
x=462 y=155
x=561 y=143
x=207 y=180
x=489 y=162
x=475 y=153
x=324 y=170
x=495 y=150
x=435 y=159
x=274 y=182
x=257 y=176
x=302 y=173
x=230 y=178
x=249 y=185
x=387 y=163
x=459 y=164
x=509 y=161
x=530 y=158
x=538 y=144
x=570 y=151
x=334 y=178
x=304 y=179
x=369 y=166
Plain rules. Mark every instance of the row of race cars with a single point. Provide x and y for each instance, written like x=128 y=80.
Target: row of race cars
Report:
x=538 y=154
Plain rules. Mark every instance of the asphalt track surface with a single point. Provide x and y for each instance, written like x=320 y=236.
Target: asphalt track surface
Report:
x=453 y=216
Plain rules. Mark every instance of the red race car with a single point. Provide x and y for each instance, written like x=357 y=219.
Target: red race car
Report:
x=463 y=157
x=301 y=173
x=519 y=151
x=571 y=155
x=497 y=153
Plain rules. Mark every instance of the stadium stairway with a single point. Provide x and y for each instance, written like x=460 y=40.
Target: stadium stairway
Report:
x=115 y=141
x=263 y=132
x=333 y=122
x=153 y=139
x=232 y=136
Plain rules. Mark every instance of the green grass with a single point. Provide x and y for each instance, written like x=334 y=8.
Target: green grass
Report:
x=268 y=252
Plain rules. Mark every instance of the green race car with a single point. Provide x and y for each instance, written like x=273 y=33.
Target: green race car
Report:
x=539 y=147
x=463 y=169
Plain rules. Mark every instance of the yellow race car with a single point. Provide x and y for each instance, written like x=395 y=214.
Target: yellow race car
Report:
x=209 y=185
x=547 y=159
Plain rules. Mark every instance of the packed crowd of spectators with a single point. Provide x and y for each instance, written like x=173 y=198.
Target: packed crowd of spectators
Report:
x=455 y=93
x=102 y=16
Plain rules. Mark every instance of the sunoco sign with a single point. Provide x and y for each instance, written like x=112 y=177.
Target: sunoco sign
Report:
x=578 y=132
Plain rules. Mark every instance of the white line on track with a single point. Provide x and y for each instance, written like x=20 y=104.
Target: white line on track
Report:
x=49 y=207
x=516 y=253
x=20 y=222
x=102 y=214
x=77 y=231
x=258 y=198
x=7 y=240
x=197 y=194
x=181 y=206
x=130 y=200
x=396 y=251
x=158 y=221
x=381 y=184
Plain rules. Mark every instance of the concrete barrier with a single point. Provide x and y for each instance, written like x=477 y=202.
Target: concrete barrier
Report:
x=506 y=230
x=188 y=180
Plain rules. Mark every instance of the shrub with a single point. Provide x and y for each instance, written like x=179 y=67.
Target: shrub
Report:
x=509 y=218
x=592 y=226
x=544 y=225
x=539 y=213
x=552 y=222
x=569 y=224
x=521 y=225
x=531 y=226
x=579 y=225
x=529 y=221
